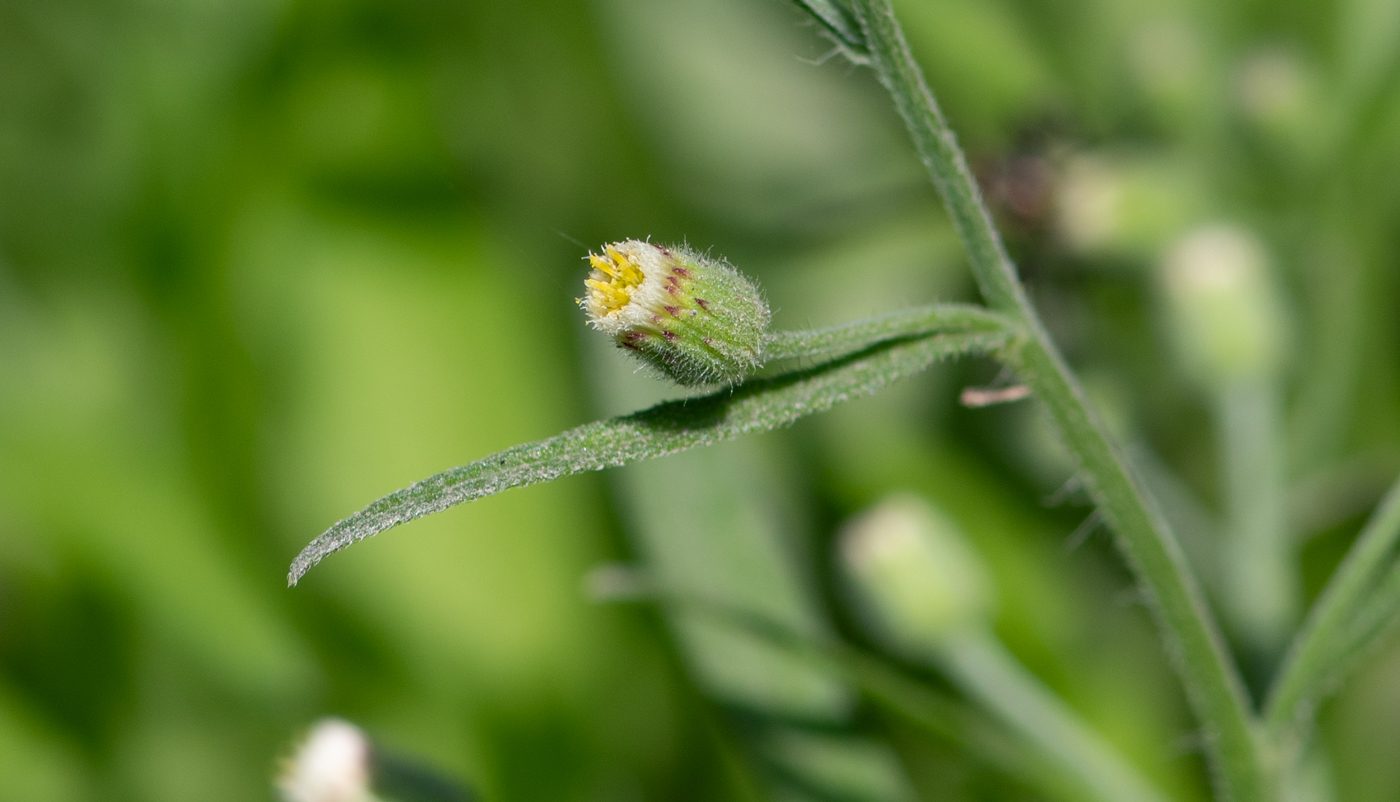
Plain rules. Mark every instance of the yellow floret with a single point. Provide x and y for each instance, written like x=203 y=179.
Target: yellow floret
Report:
x=613 y=281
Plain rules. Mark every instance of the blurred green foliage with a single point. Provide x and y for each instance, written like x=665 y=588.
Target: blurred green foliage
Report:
x=261 y=262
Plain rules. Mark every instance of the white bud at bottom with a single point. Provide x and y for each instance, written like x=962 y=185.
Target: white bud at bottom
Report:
x=331 y=765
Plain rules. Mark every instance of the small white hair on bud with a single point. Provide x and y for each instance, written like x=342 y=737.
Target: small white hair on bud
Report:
x=331 y=765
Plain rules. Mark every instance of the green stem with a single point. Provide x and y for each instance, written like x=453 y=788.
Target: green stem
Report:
x=1211 y=680
x=979 y=664
x=1260 y=591
x=1313 y=659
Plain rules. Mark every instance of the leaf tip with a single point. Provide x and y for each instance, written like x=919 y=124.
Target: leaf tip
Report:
x=304 y=562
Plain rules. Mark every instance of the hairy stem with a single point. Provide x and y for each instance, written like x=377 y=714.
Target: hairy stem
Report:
x=1211 y=679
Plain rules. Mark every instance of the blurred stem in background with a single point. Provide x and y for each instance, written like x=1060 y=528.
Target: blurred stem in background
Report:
x=927 y=594
x=1260 y=578
x=1360 y=601
x=982 y=666
x=710 y=525
x=1229 y=332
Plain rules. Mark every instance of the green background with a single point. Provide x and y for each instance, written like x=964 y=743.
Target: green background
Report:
x=262 y=262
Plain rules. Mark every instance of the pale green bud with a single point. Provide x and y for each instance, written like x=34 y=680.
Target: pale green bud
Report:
x=914 y=572
x=1226 y=317
x=1124 y=204
x=1272 y=87
x=694 y=318
x=1165 y=54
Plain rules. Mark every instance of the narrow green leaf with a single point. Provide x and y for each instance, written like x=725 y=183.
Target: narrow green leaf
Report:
x=1372 y=621
x=755 y=406
x=847 y=338
x=1355 y=607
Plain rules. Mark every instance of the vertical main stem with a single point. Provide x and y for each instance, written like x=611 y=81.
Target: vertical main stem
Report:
x=1209 y=676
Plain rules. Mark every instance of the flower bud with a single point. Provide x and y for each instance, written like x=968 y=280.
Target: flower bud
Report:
x=333 y=764
x=1124 y=205
x=696 y=319
x=1226 y=317
x=1272 y=88
x=917 y=577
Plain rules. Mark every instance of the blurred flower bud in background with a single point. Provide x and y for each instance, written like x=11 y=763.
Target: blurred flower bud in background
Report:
x=1226 y=319
x=1089 y=196
x=926 y=591
x=694 y=318
x=914 y=574
x=338 y=762
x=1166 y=57
x=1124 y=205
x=1280 y=96
x=1272 y=87
x=331 y=765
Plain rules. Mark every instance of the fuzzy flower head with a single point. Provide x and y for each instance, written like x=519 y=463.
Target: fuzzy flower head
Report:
x=694 y=318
